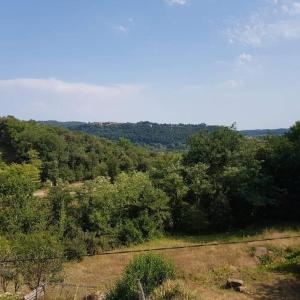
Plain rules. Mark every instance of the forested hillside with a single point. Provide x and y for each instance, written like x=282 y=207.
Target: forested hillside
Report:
x=66 y=155
x=168 y=136
x=223 y=181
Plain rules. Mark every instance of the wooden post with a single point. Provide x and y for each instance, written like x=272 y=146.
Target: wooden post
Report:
x=141 y=291
x=61 y=291
x=56 y=294
x=36 y=294
x=76 y=293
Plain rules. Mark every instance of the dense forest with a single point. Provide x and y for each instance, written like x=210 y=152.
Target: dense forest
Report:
x=69 y=156
x=222 y=181
x=168 y=136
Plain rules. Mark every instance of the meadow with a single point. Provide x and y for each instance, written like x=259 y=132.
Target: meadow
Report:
x=204 y=270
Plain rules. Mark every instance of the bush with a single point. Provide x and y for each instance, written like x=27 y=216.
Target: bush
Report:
x=172 y=290
x=290 y=263
x=33 y=252
x=150 y=269
x=128 y=233
x=74 y=249
x=7 y=296
x=92 y=243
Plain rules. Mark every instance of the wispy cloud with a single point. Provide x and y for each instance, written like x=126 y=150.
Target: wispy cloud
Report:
x=279 y=20
x=67 y=88
x=177 y=2
x=126 y=27
x=245 y=58
x=290 y=7
x=231 y=84
x=57 y=99
x=122 y=29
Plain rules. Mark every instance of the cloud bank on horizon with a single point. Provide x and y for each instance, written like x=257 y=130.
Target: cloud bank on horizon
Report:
x=163 y=61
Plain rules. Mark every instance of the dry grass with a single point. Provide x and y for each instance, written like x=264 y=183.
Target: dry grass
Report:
x=44 y=192
x=203 y=269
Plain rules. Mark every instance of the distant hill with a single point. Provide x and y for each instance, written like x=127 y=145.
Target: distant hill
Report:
x=66 y=154
x=168 y=136
x=263 y=132
x=69 y=125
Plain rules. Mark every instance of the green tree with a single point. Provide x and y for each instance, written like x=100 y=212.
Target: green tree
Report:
x=39 y=257
x=19 y=210
x=167 y=174
x=131 y=208
x=224 y=175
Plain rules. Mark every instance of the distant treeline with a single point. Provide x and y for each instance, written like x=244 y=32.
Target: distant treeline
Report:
x=168 y=136
x=67 y=155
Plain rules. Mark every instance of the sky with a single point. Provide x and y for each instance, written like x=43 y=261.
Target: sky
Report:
x=166 y=61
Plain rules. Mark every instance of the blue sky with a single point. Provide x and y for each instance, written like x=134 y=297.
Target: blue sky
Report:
x=189 y=61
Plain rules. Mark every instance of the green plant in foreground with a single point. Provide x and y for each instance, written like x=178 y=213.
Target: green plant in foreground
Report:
x=172 y=290
x=150 y=269
x=7 y=296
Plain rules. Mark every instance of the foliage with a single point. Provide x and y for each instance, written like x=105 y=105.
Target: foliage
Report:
x=67 y=155
x=39 y=256
x=150 y=269
x=5 y=269
x=19 y=210
x=172 y=290
x=9 y=272
x=281 y=163
x=224 y=175
x=131 y=209
x=74 y=249
x=290 y=262
x=8 y=296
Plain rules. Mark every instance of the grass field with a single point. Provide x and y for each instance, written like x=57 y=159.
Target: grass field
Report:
x=204 y=270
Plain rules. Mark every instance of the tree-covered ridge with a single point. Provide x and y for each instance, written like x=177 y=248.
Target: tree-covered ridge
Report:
x=169 y=136
x=67 y=155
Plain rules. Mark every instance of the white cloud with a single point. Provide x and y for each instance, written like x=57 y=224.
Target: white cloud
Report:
x=267 y=25
x=57 y=99
x=126 y=27
x=67 y=88
x=177 y=2
x=122 y=28
x=231 y=84
x=292 y=8
x=259 y=33
x=245 y=58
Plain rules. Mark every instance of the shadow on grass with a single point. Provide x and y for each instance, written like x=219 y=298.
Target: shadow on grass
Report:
x=288 y=285
x=291 y=265
x=237 y=234
x=287 y=289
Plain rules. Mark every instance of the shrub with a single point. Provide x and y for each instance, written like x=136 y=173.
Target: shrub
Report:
x=290 y=263
x=33 y=252
x=128 y=233
x=92 y=243
x=172 y=290
x=150 y=269
x=265 y=260
x=74 y=249
x=7 y=296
